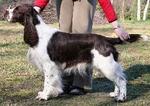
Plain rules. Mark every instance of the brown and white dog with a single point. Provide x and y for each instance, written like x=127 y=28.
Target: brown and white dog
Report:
x=55 y=52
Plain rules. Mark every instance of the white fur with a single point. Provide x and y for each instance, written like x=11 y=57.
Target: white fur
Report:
x=145 y=37
x=79 y=68
x=115 y=93
x=39 y=57
x=113 y=71
x=10 y=14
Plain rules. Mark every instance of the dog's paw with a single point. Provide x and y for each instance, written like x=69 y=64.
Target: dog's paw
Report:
x=42 y=96
x=121 y=98
x=113 y=94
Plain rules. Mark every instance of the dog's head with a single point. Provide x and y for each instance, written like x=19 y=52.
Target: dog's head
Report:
x=21 y=14
x=27 y=16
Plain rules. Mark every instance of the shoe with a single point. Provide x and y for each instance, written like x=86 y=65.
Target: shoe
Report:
x=77 y=91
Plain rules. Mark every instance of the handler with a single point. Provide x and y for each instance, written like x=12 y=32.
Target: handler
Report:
x=76 y=16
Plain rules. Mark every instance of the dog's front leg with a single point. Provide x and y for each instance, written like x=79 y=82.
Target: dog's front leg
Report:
x=52 y=82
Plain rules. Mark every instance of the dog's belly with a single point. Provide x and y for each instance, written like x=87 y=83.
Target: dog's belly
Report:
x=80 y=68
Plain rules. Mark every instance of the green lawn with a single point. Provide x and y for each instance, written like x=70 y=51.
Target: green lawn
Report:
x=20 y=82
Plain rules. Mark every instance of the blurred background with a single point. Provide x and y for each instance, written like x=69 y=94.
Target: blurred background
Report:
x=130 y=10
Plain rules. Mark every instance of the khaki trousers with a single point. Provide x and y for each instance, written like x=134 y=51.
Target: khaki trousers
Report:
x=76 y=16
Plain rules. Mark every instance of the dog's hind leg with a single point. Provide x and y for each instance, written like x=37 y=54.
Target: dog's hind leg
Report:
x=52 y=82
x=113 y=71
x=115 y=93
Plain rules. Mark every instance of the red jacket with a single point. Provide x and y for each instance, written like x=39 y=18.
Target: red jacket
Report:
x=105 y=4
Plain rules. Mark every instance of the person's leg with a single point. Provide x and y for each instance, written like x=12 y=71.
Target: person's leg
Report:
x=83 y=13
x=81 y=83
x=64 y=12
x=67 y=80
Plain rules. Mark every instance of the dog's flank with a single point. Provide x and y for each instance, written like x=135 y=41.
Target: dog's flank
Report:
x=55 y=52
x=76 y=48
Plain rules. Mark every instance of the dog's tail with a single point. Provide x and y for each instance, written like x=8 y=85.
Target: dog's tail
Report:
x=133 y=38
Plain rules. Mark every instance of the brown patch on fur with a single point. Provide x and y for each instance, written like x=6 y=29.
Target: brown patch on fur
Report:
x=27 y=16
x=30 y=32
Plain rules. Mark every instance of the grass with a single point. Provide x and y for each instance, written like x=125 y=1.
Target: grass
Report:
x=20 y=82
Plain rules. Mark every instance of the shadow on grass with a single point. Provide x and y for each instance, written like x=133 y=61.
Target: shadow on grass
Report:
x=137 y=72
x=99 y=85
x=136 y=90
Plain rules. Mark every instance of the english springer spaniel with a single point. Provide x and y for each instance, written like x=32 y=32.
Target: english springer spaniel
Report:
x=55 y=52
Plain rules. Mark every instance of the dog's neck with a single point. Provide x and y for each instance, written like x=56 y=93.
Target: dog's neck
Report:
x=43 y=29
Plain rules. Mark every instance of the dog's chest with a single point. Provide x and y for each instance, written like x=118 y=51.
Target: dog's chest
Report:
x=38 y=56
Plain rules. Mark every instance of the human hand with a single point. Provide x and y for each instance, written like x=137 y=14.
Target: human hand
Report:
x=38 y=9
x=120 y=31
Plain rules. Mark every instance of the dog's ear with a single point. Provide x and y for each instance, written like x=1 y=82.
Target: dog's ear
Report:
x=30 y=32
